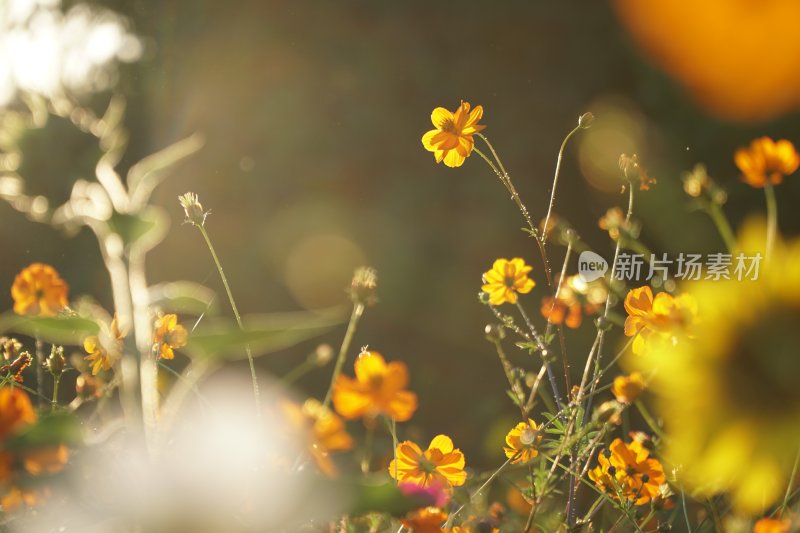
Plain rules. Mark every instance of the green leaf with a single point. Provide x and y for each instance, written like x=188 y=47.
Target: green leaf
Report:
x=263 y=333
x=57 y=330
x=49 y=430
x=183 y=297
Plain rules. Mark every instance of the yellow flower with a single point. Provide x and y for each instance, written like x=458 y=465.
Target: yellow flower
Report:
x=440 y=463
x=39 y=290
x=506 y=279
x=425 y=520
x=100 y=357
x=168 y=336
x=656 y=319
x=379 y=388
x=729 y=396
x=324 y=431
x=627 y=471
x=627 y=388
x=523 y=442
x=766 y=161
x=772 y=525
x=452 y=140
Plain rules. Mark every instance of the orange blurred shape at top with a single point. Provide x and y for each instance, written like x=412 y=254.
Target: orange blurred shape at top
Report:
x=740 y=59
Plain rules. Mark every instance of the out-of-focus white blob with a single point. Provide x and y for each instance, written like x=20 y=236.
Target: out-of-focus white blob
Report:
x=53 y=54
x=220 y=468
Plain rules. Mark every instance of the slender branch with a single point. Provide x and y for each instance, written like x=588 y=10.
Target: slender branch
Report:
x=355 y=316
x=772 y=217
x=555 y=181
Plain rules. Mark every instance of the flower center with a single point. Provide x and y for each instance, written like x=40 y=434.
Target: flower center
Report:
x=509 y=281
x=528 y=436
x=449 y=126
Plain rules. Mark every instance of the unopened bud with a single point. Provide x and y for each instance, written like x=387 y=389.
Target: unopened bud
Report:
x=494 y=332
x=322 y=355
x=363 y=287
x=193 y=209
x=585 y=120
x=55 y=363
x=11 y=348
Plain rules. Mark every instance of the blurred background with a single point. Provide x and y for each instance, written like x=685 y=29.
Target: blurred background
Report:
x=312 y=114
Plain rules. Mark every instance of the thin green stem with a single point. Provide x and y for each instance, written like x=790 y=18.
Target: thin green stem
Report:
x=39 y=349
x=235 y=309
x=772 y=217
x=790 y=485
x=723 y=226
x=299 y=371
x=685 y=511
x=56 y=381
x=486 y=483
x=555 y=181
x=355 y=316
x=648 y=418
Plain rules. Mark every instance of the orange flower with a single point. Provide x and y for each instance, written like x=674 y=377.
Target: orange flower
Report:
x=425 y=520
x=766 y=161
x=168 y=336
x=99 y=356
x=16 y=411
x=656 y=318
x=772 y=525
x=39 y=290
x=324 y=431
x=627 y=388
x=440 y=463
x=575 y=297
x=452 y=140
x=738 y=58
x=627 y=470
x=506 y=279
x=523 y=442
x=379 y=388
x=47 y=460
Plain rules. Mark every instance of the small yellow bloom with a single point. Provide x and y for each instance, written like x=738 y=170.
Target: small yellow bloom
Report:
x=659 y=318
x=379 y=388
x=772 y=525
x=102 y=358
x=425 y=520
x=440 y=463
x=168 y=336
x=506 y=279
x=627 y=471
x=627 y=388
x=452 y=140
x=766 y=161
x=38 y=290
x=523 y=442
x=323 y=430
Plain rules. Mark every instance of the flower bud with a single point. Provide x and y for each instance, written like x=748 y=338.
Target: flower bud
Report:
x=494 y=332
x=56 y=362
x=585 y=121
x=193 y=209
x=322 y=355
x=362 y=288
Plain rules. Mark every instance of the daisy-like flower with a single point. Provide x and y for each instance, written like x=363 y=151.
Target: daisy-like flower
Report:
x=772 y=525
x=425 y=520
x=38 y=290
x=441 y=463
x=523 y=442
x=728 y=395
x=661 y=318
x=378 y=389
x=627 y=388
x=324 y=431
x=627 y=471
x=766 y=161
x=100 y=357
x=506 y=280
x=452 y=140
x=168 y=335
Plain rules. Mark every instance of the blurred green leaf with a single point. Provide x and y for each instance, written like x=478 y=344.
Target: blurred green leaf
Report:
x=49 y=430
x=57 y=330
x=263 y=333
x=184 y=297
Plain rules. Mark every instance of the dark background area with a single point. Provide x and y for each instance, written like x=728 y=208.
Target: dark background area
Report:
x=313 y=113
